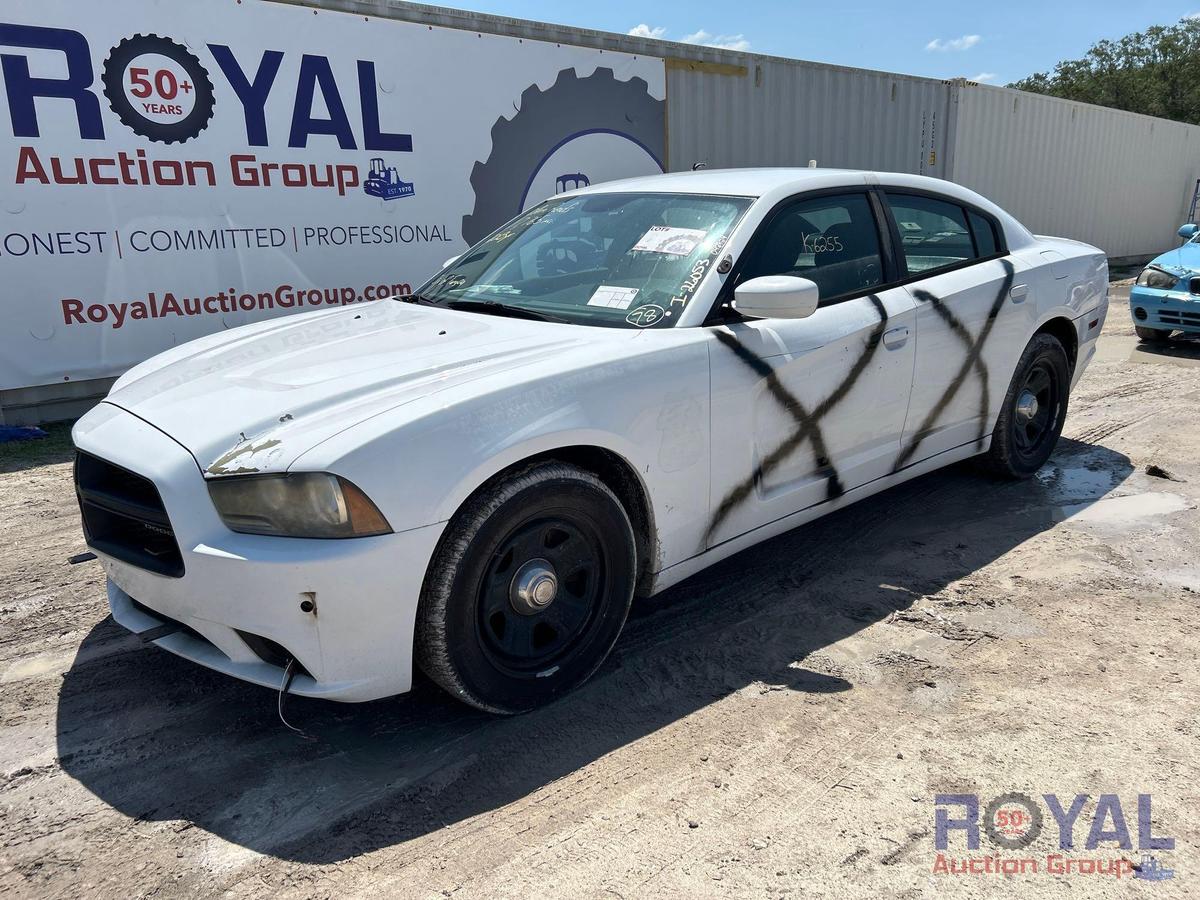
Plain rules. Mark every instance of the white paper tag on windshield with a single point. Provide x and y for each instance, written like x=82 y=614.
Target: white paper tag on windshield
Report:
x=671 y=241
x=491 y=289
x=613 y=297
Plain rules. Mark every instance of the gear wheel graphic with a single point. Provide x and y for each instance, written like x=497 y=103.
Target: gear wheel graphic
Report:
x=570 y=106
x=113 y=77
x=1030 y=806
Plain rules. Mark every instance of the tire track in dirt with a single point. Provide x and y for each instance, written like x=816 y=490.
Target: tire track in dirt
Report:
x=797 y=790
x=1104 y=430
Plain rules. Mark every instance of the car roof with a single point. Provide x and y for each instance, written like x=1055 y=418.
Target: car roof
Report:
x=736 y=182
x=774 y=181
x=778 y=183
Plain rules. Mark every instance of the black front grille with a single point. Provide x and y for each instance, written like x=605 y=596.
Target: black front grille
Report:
x=1179 y=317
x=124 y=517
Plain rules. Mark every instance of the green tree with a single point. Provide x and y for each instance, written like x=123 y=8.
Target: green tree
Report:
x=1156 y=72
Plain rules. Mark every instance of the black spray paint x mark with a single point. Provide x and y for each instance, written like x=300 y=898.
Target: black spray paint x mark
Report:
x=808 y=423
x=972 y=360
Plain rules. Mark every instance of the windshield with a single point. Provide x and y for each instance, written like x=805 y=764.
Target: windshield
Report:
x=614 y=260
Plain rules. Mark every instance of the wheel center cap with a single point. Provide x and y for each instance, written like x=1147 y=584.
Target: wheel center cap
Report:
x=1027 y=406
x=534 y=587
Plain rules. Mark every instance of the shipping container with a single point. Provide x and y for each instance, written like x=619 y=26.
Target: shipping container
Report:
x=1121 y=181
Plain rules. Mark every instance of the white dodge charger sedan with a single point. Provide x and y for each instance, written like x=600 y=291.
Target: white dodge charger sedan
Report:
x=621 y=386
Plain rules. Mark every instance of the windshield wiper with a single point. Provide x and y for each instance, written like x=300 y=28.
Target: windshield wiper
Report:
x=418 y=298
x=496 y=308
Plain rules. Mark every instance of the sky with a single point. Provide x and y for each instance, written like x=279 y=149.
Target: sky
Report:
x=991 y=43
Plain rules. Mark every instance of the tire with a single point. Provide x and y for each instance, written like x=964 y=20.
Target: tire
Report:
x=570 y=106
x=1153 y=335
x=1021 y=443
x=501 y=650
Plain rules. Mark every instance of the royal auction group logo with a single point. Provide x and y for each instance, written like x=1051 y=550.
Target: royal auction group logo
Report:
x=158 y=88
x=1015 y=821
x=164 y=92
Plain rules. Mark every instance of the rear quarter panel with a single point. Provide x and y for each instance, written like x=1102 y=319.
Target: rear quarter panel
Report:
x=1069 y=279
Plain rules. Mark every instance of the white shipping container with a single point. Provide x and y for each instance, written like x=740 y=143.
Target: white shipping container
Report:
x=1115 y=179
x=1121 y=181
x=771 y=112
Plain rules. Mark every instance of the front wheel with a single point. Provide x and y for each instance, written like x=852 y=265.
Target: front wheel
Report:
x=528 y=590
x=1152 y=335
x=1031 y=419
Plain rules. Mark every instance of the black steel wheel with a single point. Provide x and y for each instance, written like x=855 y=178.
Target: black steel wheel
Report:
x=528 y=590
x=539 y=593
x=1038 y=404
x=1031 y=420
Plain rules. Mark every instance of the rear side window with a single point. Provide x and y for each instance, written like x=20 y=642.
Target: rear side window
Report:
x=985 y=234
x=933 y=233
x=833 y=241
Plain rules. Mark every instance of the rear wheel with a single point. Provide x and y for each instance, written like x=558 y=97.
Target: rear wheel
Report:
x=528 y=590
x=1031 y=419
x=1153 y=335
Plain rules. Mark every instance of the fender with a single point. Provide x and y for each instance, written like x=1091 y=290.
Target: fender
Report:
x=420 y=462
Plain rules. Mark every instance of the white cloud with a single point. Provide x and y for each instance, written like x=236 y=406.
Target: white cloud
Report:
x=702 y=37
x=966 y=42
x=647 y=31
x=721 y=41
x=983 y=77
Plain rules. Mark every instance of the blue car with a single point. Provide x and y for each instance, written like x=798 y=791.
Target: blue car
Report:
x=1166 y=297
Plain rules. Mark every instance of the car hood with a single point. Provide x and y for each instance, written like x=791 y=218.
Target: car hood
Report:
x=254 y=399
x=1181 y=261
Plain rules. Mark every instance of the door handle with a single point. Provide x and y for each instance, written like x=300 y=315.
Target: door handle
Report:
x=1019 y=293
x=895 y=338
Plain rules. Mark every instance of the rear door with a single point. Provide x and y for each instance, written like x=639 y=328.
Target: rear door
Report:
x=971 y=318
x=806 y=410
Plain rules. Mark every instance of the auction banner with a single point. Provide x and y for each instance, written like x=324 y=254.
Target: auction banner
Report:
x=172 y=168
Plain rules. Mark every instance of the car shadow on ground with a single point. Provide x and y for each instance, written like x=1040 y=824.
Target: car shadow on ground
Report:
x=160 y=739
x=1180 y=347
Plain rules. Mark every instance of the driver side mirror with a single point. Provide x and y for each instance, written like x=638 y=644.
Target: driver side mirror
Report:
x=1187 y=231
x=777 y=297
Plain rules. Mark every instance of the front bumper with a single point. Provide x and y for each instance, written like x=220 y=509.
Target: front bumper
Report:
x=243 y=593
x=1164 y=310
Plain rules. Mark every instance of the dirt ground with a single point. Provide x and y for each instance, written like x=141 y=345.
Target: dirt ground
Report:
x=779 y=726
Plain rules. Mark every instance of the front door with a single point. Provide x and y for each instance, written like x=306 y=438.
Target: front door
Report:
x=806 y=410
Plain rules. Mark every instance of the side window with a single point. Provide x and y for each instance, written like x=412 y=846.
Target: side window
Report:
x=985 y=235
x=834 y=241
x=933 y=233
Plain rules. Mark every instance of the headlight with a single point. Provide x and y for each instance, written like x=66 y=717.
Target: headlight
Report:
x=1157 y=278
x=305 y=505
